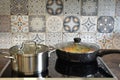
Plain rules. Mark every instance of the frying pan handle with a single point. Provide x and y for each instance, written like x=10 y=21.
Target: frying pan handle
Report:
x=103 y=52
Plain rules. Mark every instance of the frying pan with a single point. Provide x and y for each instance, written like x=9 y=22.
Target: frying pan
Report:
x=82 y=57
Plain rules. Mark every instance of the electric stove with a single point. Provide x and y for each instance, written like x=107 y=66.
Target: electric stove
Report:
x=63 y=69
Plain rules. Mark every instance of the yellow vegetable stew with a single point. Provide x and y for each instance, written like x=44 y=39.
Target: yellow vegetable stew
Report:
x=78 y=49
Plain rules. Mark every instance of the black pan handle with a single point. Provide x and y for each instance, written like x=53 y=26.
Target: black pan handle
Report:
x=103 y=52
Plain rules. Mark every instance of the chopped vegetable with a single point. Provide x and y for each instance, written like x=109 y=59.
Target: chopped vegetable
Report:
x=77 y=49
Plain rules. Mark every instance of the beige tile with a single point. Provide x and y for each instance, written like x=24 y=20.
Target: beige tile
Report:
x=89 y=7
x=54 y=7
x=71 y=23
x=54 y=24
x=19 y=7
x=18 y=38
x=88 y=24
x=53 y=38
x=39 y=38
x=117 y=8
x=69 y=36
x=36 y=7
x=88 y=37
x=5 y=40
x=37 y=23
x=106 y=8
x=72 y=7
x=104 y=40
x=19 y=23
x=116 y=41
x=4 y=7
x=4 y=23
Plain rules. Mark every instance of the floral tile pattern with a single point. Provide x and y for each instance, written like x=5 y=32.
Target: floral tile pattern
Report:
x=117 y=8
x=54 y=24
x=36 y=7
x=5 y=40
x=89 y=7
x=88 y=37
x=88 y=24
x=104 y=40
x=19 y=7
x=69 y=36
x=105 y=24
x=53 y=21
x=72 y=7
x=4 y=7
x=53 y=38
x=54 y=7
x=116 y=41
x=4 y=23
x=39 y=38
x=37 y=23
x=117 y=25
x=71 y=24
x=18 y=38
x=19 y=24
x=106 y=8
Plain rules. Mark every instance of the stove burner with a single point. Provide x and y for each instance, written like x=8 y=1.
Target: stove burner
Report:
x=76 y=69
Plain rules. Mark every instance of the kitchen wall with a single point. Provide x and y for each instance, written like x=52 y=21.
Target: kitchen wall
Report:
x=53 y=21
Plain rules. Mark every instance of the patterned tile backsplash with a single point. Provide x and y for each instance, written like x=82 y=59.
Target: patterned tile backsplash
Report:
x=53 y=21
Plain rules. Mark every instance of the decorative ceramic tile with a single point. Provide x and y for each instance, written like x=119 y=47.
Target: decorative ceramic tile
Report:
x=53 y=38
x=5 y=40
x=4 y=7
x=105 y=24
x=72 y=7
x=36 y=7
x=39 y=38
x=71 y=24
x=54 y=7
x=106 y=8
x=18 y=38
x=54 y=24
x=117 y=25
x=88 y=37
x=116 y=40
x=37 y=23
x=19 y=7
x=88 y=24
x=117 y=8
x=105 y=40
x=4 y=23
x=89 y=7
x=69 y=36
x=19 y=23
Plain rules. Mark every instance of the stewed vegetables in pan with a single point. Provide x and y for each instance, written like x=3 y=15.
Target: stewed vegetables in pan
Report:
x=78 y=49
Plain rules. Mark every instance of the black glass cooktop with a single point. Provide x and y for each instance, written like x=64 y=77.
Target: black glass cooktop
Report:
x=60 y=68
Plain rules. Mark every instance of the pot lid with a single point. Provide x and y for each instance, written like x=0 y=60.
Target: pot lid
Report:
x=28 y=47
x=77 y=46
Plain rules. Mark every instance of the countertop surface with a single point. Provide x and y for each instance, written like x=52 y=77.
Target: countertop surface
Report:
x=112 y=61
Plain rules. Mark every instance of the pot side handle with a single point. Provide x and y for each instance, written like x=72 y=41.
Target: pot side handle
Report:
x=103 y=52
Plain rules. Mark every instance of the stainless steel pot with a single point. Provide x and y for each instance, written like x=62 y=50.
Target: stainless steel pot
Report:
x=29 y=63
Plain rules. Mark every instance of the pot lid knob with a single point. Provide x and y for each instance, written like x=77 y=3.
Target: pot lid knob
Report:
x=77 y=40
